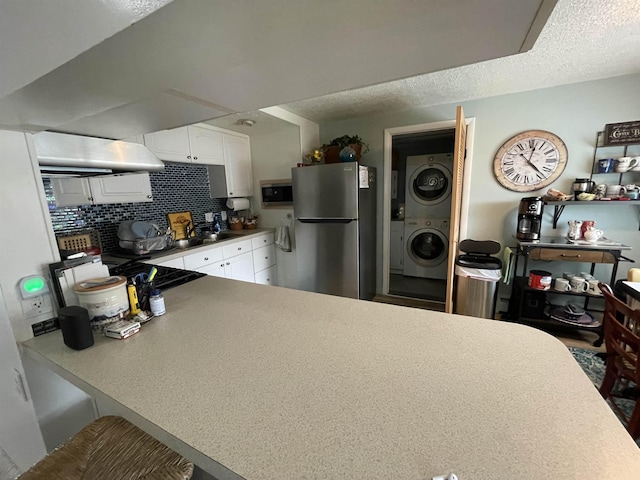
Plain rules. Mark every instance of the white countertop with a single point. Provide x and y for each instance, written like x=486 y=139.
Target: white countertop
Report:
x=277 y=383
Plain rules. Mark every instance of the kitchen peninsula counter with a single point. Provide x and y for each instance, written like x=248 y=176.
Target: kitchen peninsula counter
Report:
x=264 y=382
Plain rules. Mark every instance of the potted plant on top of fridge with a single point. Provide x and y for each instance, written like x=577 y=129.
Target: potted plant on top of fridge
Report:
x=332 y=150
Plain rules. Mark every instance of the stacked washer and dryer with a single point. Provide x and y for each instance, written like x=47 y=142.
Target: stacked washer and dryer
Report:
x=427 y=215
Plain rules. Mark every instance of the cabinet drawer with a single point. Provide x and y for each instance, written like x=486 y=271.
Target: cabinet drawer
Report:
x=264 y=257
x=568 y=255
x=267 y=277
x=202 y=258
x=237 y=248
x=175 y=263
x=262 y=240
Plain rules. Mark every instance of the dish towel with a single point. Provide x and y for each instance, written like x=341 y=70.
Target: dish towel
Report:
x=283 y=241
x=507 y=265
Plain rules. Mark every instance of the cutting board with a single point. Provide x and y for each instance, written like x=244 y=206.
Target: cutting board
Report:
x=178 y=221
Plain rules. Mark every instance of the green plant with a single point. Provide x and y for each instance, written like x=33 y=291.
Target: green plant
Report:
x=347 y=140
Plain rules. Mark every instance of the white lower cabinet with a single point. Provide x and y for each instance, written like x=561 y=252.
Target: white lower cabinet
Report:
x=396 y=248
x=240 y=267
x=175 y=263
x=213 y=270
x=264 y=257
x=235 y=259
x=267 y=277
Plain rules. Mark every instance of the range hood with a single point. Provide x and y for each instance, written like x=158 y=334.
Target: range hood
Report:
x=60 y=154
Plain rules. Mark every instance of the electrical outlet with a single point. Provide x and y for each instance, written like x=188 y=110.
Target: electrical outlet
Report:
x=223 y=216
x=36 y=306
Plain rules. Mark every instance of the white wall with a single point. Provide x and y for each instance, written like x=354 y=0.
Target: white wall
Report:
x=573 y=112
x=27 y=233
x=273 y=154
x=28 y=246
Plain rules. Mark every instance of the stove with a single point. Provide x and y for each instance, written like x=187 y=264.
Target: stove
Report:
x=167 y=277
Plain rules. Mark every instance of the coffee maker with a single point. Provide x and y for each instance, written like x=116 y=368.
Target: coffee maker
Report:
x=529 y=218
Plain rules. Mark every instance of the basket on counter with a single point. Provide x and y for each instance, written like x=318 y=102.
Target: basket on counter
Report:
x=236 y=223
x=250 y=223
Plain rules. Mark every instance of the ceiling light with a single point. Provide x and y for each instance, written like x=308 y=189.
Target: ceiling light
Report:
x=245 y=122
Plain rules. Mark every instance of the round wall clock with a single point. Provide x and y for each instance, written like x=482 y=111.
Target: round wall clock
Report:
x=530 y=161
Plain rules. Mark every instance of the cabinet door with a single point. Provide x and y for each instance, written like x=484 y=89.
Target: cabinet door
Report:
x=21 y=443
x=206 y=146
x=237 y=163
x=203 y=257
x=175 y=263
x=240 y=268
x=72 y=191
x=214 y=270
x=171 y=145
x=237 y=248
x=124 y=188
x=262 y=240
x=396 y=246
x=264 y=257
x=267 y=277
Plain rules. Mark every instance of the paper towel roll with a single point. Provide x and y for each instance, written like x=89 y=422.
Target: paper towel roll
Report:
x=238 y=204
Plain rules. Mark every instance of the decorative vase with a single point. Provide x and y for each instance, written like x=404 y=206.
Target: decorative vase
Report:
x=332 y=152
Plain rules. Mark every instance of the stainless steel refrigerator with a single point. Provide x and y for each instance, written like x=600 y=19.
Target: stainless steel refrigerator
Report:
x=335 y=213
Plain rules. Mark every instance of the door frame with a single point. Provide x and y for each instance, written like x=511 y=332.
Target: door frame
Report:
x=389 y=133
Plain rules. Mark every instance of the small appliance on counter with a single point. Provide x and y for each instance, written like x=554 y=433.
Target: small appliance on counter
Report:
x=529 y=218
x=583 y=185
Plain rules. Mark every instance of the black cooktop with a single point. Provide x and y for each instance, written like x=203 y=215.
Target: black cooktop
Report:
x=167 y=277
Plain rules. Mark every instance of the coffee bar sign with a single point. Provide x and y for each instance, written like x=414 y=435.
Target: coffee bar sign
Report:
x=622 y=133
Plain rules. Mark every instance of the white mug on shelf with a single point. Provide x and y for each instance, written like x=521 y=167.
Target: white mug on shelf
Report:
x=593 y=234
x=578 y=284
x=562 y=285
x=593 y=287
x=624 y=164
x=615 y=190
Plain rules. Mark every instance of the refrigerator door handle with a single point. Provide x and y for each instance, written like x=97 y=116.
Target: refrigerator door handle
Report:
x=326 y=220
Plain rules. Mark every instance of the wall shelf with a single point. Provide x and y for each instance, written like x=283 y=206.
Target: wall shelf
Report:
x=558 y=207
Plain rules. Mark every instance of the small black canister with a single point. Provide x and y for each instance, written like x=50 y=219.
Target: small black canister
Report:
x=76 y=327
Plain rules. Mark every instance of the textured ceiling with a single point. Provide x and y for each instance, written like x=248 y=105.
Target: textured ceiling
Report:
x=583 y=40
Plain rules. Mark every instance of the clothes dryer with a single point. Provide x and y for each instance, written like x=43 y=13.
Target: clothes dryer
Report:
x=428 y=186
x=426 y=247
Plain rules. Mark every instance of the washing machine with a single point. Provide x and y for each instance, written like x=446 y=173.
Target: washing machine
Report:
x=426 y=247
x=428 y=186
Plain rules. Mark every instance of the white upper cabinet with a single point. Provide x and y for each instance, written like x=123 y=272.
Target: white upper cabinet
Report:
x=237 y=163
x=171 y=145
x=120 y=188
x=71 y=192
x=193 y=144
x=206 y=146
x=123 y=188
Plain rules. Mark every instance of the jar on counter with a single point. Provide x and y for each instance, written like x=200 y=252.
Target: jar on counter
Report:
x=156 y=303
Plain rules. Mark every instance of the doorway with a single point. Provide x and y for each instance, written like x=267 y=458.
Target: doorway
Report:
x=417 y=204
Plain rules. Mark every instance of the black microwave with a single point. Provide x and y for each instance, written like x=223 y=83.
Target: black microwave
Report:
x=276 y=193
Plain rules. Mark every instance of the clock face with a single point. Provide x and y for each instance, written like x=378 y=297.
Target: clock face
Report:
x=530 y=161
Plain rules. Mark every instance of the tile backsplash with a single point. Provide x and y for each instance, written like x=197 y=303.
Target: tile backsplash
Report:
x=180 y=187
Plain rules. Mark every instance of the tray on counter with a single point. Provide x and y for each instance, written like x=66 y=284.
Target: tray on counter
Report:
x=602 y=242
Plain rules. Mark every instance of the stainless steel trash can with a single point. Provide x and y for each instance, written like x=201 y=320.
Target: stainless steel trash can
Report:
x=477 y=279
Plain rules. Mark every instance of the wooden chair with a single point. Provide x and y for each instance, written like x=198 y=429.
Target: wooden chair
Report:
x=622 y=341
x=111 y=448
